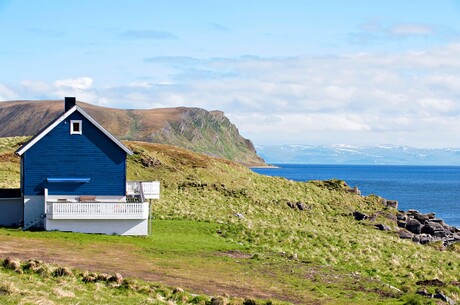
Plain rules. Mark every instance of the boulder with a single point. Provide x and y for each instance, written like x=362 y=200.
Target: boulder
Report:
x=425 y=238
x=444 y=298
x=383 y=227
x=300 y=206
x=401 y=224
x=434 y=229
x=404 y=234
x=401 y=216
x=359 y=215
x=422 y=218
x=414 y=226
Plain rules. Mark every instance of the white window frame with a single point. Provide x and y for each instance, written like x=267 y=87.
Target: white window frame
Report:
x=71 y=126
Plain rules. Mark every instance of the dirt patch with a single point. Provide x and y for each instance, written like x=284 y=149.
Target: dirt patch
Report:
x=234 y=254
x=128 y=261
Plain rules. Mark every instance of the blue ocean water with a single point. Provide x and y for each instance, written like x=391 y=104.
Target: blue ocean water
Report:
x=424 y=188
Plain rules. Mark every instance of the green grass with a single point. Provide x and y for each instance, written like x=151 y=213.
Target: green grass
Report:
x=320 y=254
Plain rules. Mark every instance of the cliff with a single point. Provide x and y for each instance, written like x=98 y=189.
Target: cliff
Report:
x=207 y=132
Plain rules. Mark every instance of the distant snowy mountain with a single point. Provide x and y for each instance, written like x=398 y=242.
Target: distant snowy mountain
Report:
x=348 y=154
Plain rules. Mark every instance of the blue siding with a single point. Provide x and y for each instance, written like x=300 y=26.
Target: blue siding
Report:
x=62 y=155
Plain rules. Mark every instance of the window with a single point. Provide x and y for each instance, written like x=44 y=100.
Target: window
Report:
x=75 y=127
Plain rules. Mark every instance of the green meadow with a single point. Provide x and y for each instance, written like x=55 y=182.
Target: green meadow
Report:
x=221 y=230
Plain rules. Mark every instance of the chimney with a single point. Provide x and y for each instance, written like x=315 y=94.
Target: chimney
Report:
x=69 y=102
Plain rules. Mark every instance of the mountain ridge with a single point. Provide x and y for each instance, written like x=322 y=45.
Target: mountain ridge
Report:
x=208 y=132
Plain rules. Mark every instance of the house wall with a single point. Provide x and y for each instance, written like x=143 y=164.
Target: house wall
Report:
x=62 y=155
x=34 y=206
x=11 y=212
x=113 y=226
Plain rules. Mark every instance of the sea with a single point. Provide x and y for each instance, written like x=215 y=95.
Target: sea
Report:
x=423 y=188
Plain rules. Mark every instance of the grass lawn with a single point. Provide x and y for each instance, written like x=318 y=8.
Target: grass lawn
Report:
x=194 y=256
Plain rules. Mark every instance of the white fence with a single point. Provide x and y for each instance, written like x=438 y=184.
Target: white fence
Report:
x=97 y=210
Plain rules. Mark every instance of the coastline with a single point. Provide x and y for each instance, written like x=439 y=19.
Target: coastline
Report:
x=264 y=166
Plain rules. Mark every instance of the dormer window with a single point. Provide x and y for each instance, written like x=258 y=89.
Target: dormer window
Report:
x=75 y=127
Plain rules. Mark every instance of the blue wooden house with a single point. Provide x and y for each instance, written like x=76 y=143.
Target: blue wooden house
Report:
x=73 y=178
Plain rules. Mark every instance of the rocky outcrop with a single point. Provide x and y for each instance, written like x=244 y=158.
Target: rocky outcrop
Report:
x=426 y=228
x=418 y=227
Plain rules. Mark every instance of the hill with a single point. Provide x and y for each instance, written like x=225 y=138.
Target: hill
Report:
x=350 y=154
x=220 y=228
x=208 y=132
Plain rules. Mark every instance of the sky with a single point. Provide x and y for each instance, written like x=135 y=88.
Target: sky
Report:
x=356 y=72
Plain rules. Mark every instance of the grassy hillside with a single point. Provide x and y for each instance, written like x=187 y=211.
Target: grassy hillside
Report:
x=209 y=132
x=220 y=228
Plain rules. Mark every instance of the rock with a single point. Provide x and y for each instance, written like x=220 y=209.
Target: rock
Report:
x=401 y=216
x=425 y=238
x=354 y=190
x=401 y=224
x=392 y=204
x=424 y=293
x=290 y=204
x=391 y=217
x=422 y=239
x=404 y=234
x=359 y=215
x=300 y=206
x=414 y=226
x=444 y=298
x=434 y=229
x=383 y=227
x=431 y=215
x=421 y=217
x=239 y=215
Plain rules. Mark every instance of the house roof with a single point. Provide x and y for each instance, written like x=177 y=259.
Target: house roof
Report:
x=56 y=122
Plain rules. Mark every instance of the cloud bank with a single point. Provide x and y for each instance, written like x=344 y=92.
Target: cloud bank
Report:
x=407 y=98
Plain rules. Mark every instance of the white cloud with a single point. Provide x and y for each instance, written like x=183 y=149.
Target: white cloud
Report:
x=408 y=98
x=438 y=105
x=412 y=29
x=82 y=83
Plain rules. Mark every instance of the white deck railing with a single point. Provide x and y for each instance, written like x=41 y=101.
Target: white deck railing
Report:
x=97 y=210
x=144 y=189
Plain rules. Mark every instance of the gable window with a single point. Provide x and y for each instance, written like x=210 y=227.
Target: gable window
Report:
x=75 y=127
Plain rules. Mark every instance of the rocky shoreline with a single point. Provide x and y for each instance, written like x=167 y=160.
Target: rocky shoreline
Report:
x=416 y=226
